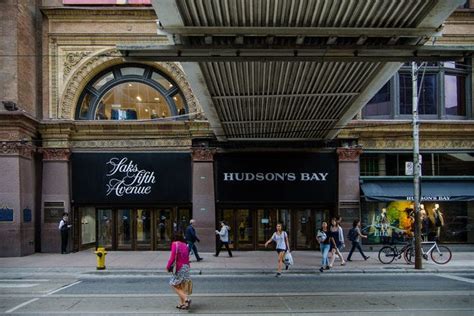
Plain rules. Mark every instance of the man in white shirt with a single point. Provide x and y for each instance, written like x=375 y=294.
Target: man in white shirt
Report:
x=64 y=227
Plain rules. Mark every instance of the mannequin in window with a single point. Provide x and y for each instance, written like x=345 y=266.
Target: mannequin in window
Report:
x=425 y=223
x=181 y=111
x=384 y=226
x=154 y=115
x=101 y=112
x=438 y=219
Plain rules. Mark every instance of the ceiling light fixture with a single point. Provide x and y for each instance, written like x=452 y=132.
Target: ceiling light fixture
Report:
x=139 y=99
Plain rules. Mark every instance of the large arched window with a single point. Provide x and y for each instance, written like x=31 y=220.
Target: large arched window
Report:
x=131 y=92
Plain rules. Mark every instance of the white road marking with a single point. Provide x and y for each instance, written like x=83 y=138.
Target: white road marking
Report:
x=21 y=305
x=455 y=277
x=23 y=280
x=257 y=294
x=6 y=285
x=42 y=296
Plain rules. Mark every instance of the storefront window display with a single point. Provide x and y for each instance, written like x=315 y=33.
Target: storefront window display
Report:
x=394 y=221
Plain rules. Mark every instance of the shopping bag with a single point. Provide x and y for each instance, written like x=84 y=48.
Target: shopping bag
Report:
x=288 y=259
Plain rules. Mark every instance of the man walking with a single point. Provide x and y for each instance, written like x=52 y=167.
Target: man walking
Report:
x=356 y=236
x=191 y=239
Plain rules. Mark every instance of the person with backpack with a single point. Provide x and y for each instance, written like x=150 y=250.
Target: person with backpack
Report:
x=355 y=236
x=323 y=239
x=280 y=238
x=223 y=239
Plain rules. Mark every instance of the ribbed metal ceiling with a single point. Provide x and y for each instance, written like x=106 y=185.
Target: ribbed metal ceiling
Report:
x=283 y=99
x=304 y=13
x=294 y=100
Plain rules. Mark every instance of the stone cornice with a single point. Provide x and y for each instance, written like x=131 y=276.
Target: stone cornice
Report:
x=56 y=154
x=17 y=124
x=203 y=154
x=78 y=13
x=397 y=134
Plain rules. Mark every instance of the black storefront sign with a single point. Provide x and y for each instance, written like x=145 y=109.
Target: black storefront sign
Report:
x=131 y=178
x=276 y=178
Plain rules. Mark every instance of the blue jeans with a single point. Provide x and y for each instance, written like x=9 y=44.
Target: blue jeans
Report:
x=192 y=247
x=325 y=252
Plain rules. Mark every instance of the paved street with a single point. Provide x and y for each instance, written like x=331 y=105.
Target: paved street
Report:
x=253 y=294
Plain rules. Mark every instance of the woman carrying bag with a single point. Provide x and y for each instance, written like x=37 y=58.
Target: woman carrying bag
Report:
x=179 y=265
x=280 y=237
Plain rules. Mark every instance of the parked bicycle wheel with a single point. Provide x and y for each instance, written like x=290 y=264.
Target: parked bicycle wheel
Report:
x=442 y=255
x=409 y=255
x=387 y=254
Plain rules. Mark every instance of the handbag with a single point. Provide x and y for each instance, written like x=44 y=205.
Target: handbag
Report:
x=187 y=287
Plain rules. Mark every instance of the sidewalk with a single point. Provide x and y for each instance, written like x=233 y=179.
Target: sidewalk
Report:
x=154 y=262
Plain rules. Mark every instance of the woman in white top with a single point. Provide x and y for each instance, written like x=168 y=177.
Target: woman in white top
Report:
x=280 y=237
x=223 y=239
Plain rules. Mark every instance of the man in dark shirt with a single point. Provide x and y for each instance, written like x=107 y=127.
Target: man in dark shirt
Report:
x=191 y=239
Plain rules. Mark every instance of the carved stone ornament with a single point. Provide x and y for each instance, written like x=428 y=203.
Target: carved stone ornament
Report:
x=56 y=154
x=13 y=148
x=203 y=154
x=72 y=59
x=349 y=154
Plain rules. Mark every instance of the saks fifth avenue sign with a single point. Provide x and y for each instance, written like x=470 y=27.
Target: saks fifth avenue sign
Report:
x=275 y=176
x=126 y=178
x=131 y=178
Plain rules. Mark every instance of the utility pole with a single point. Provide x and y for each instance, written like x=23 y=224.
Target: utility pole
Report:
x=416 y=165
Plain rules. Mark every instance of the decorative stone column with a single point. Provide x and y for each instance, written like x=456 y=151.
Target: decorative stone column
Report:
x=55 y=197
x=17 y=199
x=348 y=186
x=204 y=206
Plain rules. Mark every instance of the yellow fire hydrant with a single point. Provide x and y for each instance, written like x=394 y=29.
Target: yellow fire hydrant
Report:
x=100 y=253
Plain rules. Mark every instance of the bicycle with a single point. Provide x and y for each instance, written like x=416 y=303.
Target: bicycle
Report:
x=442 y=255
x=389 y=253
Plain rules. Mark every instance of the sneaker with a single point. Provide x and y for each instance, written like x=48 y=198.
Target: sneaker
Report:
x=215 y=255
x=200 y=259
x=327 y=268
x=349 y=260
x=367 y=257
x=278 y=275
x=321 y=269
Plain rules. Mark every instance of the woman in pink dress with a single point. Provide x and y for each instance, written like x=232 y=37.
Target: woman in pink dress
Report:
x=180 y=257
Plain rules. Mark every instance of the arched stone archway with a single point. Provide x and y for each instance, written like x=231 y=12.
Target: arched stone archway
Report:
x=103 y=59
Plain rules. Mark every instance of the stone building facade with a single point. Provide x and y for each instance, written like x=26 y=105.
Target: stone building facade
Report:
x=52 y=54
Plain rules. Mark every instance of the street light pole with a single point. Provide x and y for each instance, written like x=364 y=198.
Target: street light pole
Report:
x=416 y=165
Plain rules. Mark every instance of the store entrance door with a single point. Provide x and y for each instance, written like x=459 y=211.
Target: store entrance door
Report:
x=139 y=228
x=252 y=227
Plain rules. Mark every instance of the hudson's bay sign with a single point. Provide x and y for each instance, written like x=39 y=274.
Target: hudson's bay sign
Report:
x=276 y=177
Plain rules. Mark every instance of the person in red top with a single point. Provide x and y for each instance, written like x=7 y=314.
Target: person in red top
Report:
x=179 y=257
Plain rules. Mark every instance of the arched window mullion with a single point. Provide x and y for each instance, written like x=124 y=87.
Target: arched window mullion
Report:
x=96 y=95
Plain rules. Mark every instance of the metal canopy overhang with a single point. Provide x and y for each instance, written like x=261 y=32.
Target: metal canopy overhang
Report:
x=430 y=191
x=293 y=69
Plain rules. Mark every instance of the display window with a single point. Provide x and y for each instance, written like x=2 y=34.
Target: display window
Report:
x=393 y=221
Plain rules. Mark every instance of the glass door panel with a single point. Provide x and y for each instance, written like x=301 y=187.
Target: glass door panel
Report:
x=304 y=229
x=124 y=229
x=164 y=228
x=183 y=218
x=266 y=225
x=245 y=229
x=284 y=216
x=104 y=228
x=143 y=229
x=88 y=225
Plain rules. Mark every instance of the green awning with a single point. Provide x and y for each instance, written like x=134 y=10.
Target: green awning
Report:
x=430 y=191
